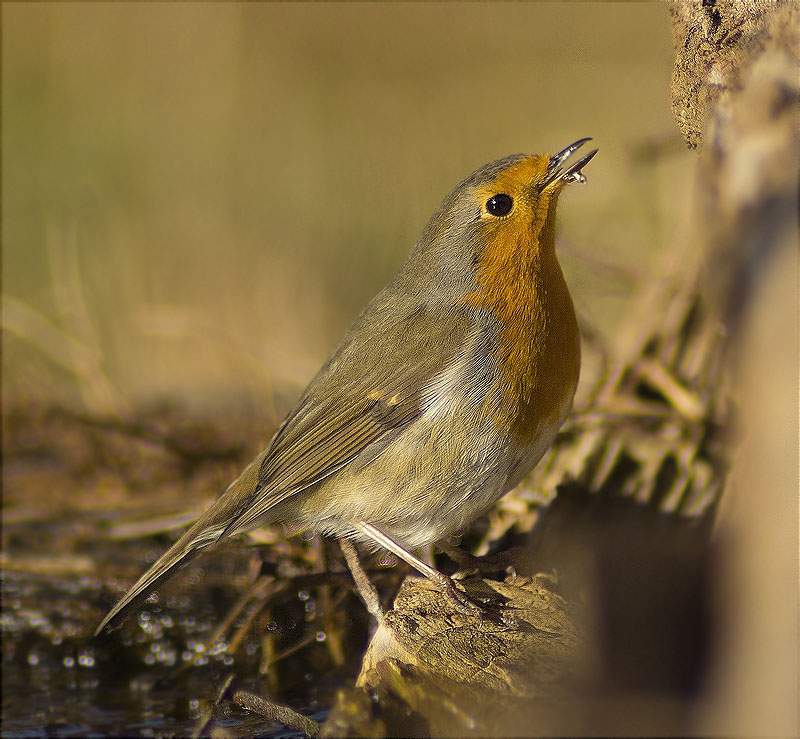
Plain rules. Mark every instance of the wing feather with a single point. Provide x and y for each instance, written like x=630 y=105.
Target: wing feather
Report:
x=341 y=415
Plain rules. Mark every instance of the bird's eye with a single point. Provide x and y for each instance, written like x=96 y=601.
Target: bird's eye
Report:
x=499 y=205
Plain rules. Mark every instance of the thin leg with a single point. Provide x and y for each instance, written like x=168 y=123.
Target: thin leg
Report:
x=444 y=583
x=364 y=585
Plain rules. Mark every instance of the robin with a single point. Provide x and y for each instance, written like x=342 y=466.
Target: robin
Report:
x=444 y=393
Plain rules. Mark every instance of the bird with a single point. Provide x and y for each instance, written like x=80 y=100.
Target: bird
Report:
x=442 y=396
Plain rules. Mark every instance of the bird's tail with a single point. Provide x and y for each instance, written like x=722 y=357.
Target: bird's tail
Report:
x=209 y=528
x=184 y=550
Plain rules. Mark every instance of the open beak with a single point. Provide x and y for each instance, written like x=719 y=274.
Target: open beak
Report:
x=559 y=170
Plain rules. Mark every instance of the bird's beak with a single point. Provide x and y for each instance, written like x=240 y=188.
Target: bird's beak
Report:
x=557 y=171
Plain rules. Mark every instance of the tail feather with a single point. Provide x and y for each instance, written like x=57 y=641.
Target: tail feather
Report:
x=197 y=538
x=207 y=530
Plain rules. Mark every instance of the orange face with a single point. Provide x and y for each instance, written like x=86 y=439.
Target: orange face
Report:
x=518 y=220
x=521 y=182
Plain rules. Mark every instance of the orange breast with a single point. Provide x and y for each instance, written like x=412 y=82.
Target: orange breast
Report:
x=538 y=351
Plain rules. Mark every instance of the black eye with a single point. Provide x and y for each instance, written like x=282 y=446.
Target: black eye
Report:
x=499 y=205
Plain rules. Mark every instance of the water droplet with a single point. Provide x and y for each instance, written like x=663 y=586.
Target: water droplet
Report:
x=219 y=647
x=85 y=659
x=166 y=621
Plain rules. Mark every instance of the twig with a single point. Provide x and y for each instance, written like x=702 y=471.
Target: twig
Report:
x=276 y=712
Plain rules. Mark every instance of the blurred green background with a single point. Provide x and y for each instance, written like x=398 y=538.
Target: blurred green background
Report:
x=198 y=198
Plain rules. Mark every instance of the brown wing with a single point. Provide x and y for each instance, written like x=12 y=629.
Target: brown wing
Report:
x=367 y=392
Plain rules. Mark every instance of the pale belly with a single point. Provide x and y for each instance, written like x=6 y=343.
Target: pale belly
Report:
x=434 y=479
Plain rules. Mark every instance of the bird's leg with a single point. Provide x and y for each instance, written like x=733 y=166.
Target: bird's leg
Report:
x=363 y=584
x=443 y=582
